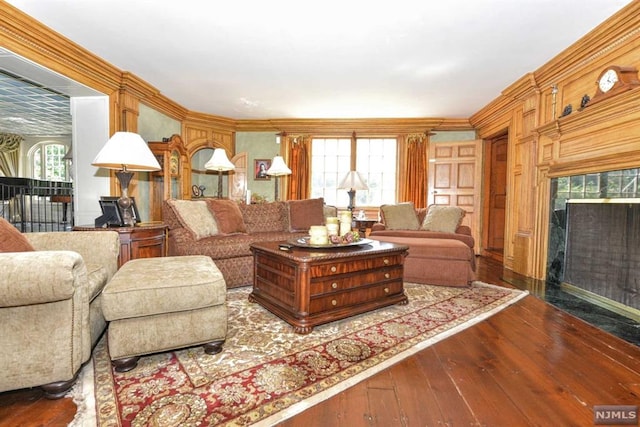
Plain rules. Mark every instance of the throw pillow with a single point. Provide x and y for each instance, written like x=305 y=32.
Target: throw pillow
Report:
x=11 y=239
x=305 y=213
x=400 y=217
x=445 y=219
x=195 y=216
x=228 y=216
x=265 y=217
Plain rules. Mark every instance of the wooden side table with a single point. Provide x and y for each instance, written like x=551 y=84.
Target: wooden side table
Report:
x=363 y=225
x=145 y=240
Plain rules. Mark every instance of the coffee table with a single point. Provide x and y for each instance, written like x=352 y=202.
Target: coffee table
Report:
x=308 y=286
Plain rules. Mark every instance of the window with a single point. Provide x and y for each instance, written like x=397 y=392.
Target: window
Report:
x=375 y=160
x=47 y=161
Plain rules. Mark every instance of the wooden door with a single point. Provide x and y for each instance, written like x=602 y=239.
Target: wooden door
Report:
x=495 y=197
x=455 y=179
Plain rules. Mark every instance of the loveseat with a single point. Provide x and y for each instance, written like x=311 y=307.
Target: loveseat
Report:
x=50 y=304
x=441 y=250
x=225 y=229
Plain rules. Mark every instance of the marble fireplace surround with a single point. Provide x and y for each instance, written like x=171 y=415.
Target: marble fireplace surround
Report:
x=594 y=242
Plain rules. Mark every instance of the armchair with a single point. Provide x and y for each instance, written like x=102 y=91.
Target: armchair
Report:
x=50 y=307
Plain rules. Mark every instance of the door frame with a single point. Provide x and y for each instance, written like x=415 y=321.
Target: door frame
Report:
x=486 y=195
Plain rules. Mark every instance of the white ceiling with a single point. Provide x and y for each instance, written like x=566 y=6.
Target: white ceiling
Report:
x=256 y=59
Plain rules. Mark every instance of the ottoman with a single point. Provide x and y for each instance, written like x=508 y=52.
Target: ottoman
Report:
x=446 y=262
x=160 y=304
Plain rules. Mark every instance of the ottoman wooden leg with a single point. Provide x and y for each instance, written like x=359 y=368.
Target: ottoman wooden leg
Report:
x=125 y=364
x=213 y=347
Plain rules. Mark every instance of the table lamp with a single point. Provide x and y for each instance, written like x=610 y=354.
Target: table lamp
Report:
x=126 y=152
x=278 y=168
x=352 y=181
x=219 y=162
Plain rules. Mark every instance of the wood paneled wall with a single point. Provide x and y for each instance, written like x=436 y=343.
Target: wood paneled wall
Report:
x=543 y=144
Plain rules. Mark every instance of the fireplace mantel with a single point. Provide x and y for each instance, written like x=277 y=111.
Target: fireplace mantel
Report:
x=605 y=136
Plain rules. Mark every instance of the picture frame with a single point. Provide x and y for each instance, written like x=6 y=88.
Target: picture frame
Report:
x=260 y=168
x=111 y=214
x=134 y=207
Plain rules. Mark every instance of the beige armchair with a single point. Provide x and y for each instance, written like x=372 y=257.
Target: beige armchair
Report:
x=50 y=307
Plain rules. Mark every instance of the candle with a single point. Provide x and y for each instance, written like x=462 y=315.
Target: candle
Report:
x=318 y=235
x=248 y=201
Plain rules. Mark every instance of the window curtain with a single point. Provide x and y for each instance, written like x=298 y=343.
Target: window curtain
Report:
x=298 y=158
x=9 y=153
x=413 y=185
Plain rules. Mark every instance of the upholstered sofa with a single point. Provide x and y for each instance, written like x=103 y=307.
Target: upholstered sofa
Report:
x=225 y=229
x=50 y=304
x=441 y=250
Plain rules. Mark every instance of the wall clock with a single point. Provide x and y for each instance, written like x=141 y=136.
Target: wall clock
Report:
x=614 y=80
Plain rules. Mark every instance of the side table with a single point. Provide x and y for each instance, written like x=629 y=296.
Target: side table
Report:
x=363 y=225
x=144 y=240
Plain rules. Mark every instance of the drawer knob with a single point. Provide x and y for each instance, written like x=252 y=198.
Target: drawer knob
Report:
x=334 y=302
x=334 y=285
x=386 y=290
x=386 y=261
x=387 y=275
x=334 y=269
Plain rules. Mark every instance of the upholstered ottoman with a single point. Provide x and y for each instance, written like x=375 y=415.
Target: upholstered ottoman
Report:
x=160 y=304
x=432 y=261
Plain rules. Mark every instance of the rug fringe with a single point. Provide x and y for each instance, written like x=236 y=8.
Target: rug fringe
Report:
x=82 y=394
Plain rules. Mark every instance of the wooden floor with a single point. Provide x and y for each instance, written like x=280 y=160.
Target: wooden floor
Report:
x=529 y=364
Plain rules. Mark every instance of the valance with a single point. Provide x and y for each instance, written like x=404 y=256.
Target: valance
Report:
x=10 y=142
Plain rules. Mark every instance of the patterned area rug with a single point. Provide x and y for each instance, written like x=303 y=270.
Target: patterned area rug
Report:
x=266 y=373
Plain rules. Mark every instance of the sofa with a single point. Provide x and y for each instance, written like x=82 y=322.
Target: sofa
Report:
x=441 y=249
x=224 y=229
x=50 y=304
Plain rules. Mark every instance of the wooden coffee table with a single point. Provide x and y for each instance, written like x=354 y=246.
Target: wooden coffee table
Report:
x=307 y=287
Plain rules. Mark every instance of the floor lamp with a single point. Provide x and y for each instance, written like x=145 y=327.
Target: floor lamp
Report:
x=278 y=168
x=126 y=152
x=219 y=162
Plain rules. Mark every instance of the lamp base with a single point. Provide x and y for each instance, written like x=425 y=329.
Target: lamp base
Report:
x=352 y=195
x=124 y=202
x=219 y=184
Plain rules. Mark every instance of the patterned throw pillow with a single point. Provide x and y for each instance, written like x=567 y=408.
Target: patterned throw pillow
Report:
x=195 y=216
x=400 y=217
x=265 y=217
x=445 y=219
x=12 y=240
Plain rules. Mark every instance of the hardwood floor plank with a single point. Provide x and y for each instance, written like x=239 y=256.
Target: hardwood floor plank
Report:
x=415 y=397
x=530 y=384
x=441 y=392
x=575 y=365
x=466 y=366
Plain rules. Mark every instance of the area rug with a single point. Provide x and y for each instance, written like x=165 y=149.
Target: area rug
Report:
x=266 y=373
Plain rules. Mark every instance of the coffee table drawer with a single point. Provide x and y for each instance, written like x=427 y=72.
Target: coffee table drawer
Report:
x=347 y=281
x=354 y=297
x=341 y=267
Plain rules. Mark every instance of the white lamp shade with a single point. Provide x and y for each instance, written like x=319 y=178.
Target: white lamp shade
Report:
x=126 y=150
x=353 y=180
x=278 y=167
x=219 y=161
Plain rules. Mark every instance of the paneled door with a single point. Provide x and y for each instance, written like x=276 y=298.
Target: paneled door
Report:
x=455 y=179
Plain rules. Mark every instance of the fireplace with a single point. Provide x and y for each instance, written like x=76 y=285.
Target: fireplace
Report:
x=594 y=239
